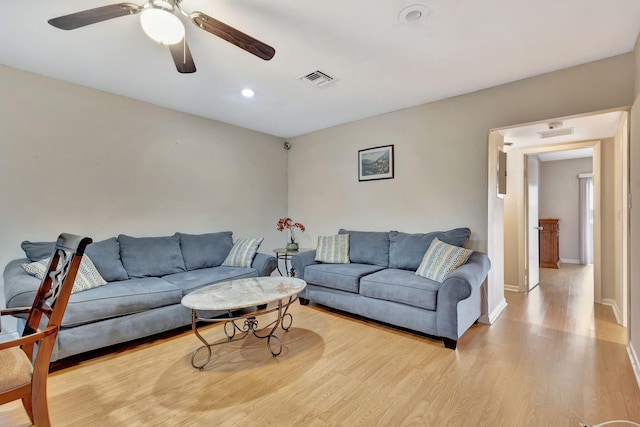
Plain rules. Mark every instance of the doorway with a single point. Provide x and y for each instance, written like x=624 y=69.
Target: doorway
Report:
x=610 y=150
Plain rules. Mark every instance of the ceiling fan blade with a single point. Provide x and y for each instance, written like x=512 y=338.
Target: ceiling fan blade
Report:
x=233 y=36
x=182 y=57
x=92 y=16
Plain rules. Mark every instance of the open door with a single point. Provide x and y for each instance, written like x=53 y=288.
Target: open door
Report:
x=532 y=267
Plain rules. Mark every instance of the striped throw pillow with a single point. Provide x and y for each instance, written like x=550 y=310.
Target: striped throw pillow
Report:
x=87 y=277
x=441 y=259
x=333 y=249
x=242 y=252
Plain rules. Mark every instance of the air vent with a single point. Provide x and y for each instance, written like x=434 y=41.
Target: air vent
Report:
x=555 y=132
x=317 y=78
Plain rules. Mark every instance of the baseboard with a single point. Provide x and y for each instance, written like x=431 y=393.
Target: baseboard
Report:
x=614 y=306
x=511 y=288
x=493 y=316
x=570 y=261
x=635 y=363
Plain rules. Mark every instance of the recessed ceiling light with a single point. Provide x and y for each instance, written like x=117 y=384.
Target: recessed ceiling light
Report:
x=413 y=14
x=247 y=93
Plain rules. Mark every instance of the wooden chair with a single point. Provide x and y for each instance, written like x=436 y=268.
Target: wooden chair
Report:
x=24 y=361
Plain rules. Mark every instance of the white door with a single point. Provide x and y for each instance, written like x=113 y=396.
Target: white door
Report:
x=532 y=268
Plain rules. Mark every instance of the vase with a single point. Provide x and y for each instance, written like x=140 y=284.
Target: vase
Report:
x=292 y=246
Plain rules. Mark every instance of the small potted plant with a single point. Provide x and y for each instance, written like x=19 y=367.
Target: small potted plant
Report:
x=288 y=224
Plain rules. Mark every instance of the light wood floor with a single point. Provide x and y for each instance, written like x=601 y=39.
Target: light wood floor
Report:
x=551 y=359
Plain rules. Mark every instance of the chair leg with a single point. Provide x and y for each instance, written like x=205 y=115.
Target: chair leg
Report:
x=26 y=402
x=40 y=407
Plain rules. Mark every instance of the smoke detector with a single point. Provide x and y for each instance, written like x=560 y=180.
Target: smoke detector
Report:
x=555 y=125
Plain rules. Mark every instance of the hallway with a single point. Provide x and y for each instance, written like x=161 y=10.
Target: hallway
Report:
x=563 y=301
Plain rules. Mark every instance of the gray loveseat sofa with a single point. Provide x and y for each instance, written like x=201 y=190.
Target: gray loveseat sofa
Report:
x=147 y=278
x=380 y=283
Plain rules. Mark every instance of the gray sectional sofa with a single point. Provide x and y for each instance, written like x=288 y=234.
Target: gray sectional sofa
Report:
x=147 y=278
x=380 y=283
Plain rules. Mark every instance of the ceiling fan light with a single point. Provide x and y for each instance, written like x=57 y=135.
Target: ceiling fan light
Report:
x=162 y=26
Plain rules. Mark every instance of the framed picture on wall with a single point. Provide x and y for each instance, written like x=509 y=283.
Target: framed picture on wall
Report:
x=375 y=163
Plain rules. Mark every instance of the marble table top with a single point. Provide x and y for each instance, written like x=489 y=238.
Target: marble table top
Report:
x=243 y=293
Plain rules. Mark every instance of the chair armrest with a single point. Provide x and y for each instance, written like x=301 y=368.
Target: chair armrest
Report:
x=301 y=260
x=265 y=264
x=31 y=338
x=14 y=310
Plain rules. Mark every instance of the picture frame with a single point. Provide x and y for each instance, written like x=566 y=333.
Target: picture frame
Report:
x=376 y=163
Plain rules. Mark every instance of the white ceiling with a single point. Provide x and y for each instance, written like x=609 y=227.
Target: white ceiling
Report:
x=381 y=64
x=552 y=156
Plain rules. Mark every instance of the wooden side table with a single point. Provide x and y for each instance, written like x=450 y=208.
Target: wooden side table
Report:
x=285 y=255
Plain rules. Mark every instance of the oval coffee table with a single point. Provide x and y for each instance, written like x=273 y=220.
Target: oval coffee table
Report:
x=241 y=294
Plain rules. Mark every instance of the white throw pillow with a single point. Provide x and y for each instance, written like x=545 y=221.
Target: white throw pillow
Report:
x=87 y=277
x=242 y=252
x=333 y=249
x=441 y=259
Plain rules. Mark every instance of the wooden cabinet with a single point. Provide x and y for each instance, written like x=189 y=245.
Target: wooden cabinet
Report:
x=548 y=243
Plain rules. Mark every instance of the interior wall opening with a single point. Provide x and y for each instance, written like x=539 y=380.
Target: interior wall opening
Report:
x=608 y=225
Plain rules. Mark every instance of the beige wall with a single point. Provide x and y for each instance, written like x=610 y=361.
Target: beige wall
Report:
x=634 y=218
x=78 y=160
x=441 y=152
x=559 y=198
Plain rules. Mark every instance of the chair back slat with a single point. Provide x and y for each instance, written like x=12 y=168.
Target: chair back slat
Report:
x=55 y=289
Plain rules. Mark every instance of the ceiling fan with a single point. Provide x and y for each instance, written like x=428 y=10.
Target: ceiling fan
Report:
x=161 y=23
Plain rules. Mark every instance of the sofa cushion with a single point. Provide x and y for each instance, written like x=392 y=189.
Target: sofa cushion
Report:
x=86 y=278
x=151 y=256
x=205 y=250
x=368 y=247
x=106 y=257
x=344 y=277
x=243 y=252
x=189 y=281
x=401 y=286
x=407 y=250
x=120 y=299
x=333 y=249
x=36 y=251
x=441 y=259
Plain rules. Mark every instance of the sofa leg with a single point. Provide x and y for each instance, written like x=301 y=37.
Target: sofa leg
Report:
x=303 y=301
x=449 y=343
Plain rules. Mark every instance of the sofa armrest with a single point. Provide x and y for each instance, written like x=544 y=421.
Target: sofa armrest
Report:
x=301 y=260
x=459 y=285
x=265 y=264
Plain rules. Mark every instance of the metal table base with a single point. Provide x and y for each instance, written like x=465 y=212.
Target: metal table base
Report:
x=244 y=325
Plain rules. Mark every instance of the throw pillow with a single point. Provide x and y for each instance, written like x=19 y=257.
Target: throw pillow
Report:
x=333 y=249
x=242 y=252
x=441 y=259
x=87 y=277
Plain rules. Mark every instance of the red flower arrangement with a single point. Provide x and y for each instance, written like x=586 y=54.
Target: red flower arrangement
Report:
x=287 y=223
